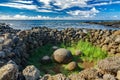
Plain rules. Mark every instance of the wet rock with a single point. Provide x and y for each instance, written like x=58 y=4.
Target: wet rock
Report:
x=72 y=66
x=9 y=72
x=31 y=73
x=62 y=55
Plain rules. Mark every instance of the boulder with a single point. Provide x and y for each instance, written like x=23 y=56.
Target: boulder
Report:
x=72 y=66
x=31 y=73
x=62 y=55
x=9 y=72
x=110 y=64
x=108 y=77
x=88 y=74
x=55 y=77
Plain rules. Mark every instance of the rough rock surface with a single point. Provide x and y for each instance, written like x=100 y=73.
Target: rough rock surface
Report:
x=110 y=64
x=31 y=73
x=9 y=72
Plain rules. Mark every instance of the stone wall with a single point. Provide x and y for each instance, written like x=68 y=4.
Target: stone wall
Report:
x=18 y=45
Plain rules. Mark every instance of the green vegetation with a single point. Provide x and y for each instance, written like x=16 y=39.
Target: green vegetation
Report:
x=90 y=54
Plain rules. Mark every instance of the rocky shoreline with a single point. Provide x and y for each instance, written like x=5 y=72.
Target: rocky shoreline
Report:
x=114 y=24
x=17 y=45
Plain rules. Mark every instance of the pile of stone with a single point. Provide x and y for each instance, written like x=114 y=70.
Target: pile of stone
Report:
x=16 y=46
x=4 y=28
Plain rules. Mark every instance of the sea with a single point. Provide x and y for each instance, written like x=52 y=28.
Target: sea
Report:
x=58 y=24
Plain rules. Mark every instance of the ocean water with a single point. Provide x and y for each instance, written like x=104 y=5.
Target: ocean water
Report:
x=59 y=24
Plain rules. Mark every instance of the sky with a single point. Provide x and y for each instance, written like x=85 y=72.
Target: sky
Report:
x=60 y=9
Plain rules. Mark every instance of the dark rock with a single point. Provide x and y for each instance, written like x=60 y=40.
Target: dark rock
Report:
x=2 y=54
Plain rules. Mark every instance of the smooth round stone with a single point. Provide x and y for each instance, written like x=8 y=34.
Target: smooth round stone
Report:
x=45 y=60
x=78 y=52
x=62 y=55
x=54 y=47
x=72 y=66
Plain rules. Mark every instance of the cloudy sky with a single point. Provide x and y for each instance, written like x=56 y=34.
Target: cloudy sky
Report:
x=60 y=9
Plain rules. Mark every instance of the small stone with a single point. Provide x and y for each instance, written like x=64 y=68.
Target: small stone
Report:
x=31 y=73
x=45 y=60
x=72 y=66
x=78 y=52
x=54 y=48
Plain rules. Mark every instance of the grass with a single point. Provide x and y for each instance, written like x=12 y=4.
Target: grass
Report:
x=90 y=53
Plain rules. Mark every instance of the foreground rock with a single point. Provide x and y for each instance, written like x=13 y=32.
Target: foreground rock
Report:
x=31 y=73
x=9 y=72
x=55 y=77
x=62 y=55
x=110 y=65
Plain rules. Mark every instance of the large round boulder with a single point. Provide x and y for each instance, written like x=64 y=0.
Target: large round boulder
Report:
x=62 y=55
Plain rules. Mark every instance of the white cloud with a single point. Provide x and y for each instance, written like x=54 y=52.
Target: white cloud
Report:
x=19 y=6
x=22 y=17
x=63 y=4
x=25 y=2
x=92 y=12
x=70 y=3
x=46 y=3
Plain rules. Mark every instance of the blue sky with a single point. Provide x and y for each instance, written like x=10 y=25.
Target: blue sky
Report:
x=60 y=9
